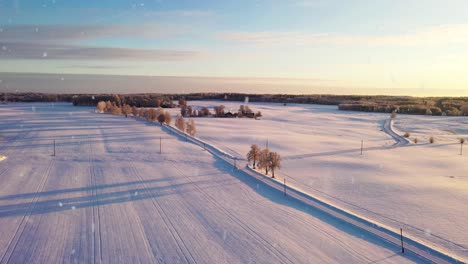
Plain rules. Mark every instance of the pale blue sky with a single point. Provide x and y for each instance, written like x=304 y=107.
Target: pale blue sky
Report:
x=356 y=43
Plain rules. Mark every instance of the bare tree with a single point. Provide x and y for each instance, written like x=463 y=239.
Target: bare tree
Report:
x=253 y=154
x=134 y=111
x=191 y=127
x=151 y=114
x=161 y=118
x=258 y=114
x=142 y=112
x=167 y=118
x=180 y=123
x=274 y=161
x=182 y=102
x=116 y=110
x=101 y=106
x=109 y=107
x=464 y=110
x=204 y=112
x=157 y=102
x=263 y=160
x=126 y=110
x=189 y=111
x=219 y=111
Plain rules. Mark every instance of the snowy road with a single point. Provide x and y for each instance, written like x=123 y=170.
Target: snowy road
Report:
x=109 y=196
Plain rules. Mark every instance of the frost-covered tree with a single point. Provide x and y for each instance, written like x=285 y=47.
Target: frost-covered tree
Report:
x=109 y=107
x=263 y=160
x=142 y=112
x=180 y=123
x=126 y=110
x=191 y=130
x=167 y=118
x=274 y=161
x=116 y=110
x=101 y=106
x=253 y=154
x=151 y=115
x=219 y=110
x=134 y=111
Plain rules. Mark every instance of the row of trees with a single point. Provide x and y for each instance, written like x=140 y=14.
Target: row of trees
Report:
x=186 y=127
x=150 y=114
x=264 y=159
x=138 y=100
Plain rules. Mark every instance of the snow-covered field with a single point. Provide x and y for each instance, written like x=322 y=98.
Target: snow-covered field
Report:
x=422 y=188
x=109 y=196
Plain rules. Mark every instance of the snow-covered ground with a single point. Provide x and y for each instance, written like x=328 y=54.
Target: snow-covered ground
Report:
x=109 y=196
x=422 y=188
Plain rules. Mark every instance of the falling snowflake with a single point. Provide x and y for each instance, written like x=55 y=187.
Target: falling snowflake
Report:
x=73 y=207
x=44 y=54
x=60 y=204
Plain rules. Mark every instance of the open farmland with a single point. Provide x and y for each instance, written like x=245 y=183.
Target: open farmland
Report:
x=422 y=188
x=109 y=196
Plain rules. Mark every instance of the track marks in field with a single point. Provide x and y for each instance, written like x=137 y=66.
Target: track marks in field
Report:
x=24 y=220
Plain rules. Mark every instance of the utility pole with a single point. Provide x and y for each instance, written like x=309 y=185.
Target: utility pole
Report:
x=362 y=145
x=267 y=144
x=462 y=141
x=401 y=238
x=160 y=145
x=54 y=149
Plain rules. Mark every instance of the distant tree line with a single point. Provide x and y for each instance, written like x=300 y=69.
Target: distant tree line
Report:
x=131 y=100
x=415 y=106
x=452 y=106
x=35 y=97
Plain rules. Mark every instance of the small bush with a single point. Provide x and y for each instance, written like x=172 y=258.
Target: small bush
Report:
x=431 y=140
x=415 y=141
x=407 y=135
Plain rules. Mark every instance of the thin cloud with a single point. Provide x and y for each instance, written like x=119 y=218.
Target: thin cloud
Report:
x=53 y=33
x=74 y=52
x=181 y=13
x=457 y=33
